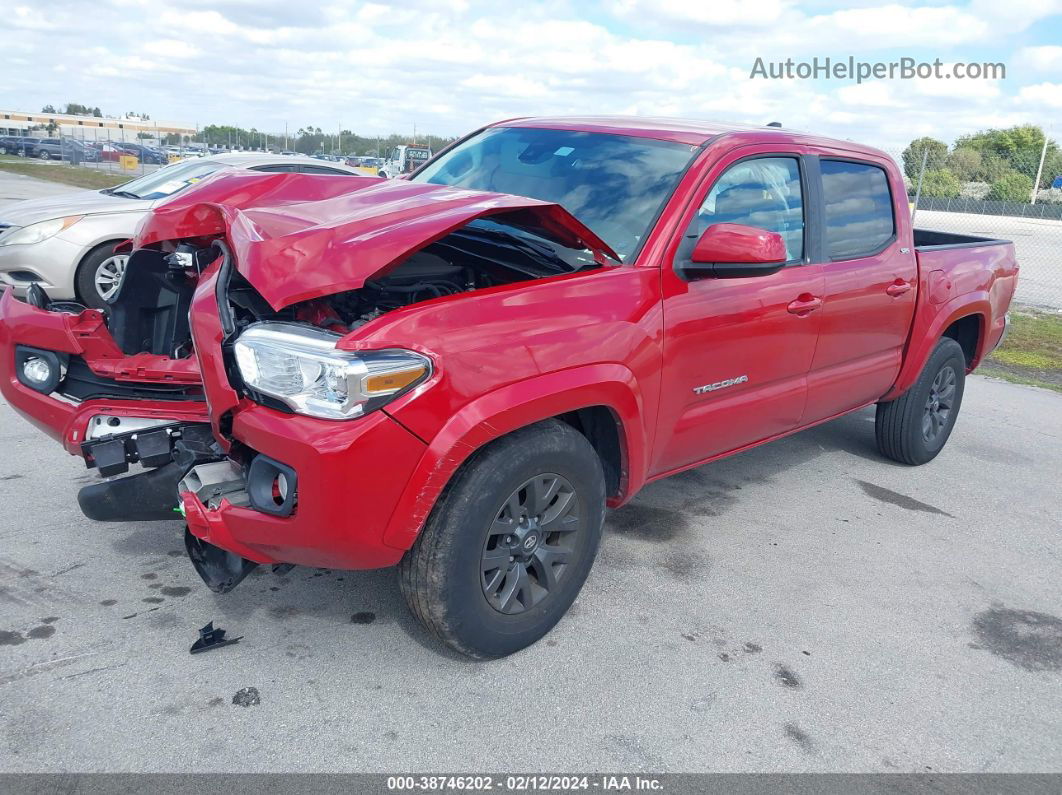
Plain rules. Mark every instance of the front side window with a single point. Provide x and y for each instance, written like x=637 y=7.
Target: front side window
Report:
x=765 y=193
x=615 y=184
x=859 y=214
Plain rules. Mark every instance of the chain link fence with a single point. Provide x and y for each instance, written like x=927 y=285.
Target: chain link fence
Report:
x=106 y=150
x=993 y=196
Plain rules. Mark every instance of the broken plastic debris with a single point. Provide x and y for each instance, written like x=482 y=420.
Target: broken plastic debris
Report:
x=210 y=638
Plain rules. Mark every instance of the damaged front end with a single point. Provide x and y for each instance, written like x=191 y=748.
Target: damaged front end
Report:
x=244 y=308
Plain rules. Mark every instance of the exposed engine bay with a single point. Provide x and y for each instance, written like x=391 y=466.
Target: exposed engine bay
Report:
x=480 y=255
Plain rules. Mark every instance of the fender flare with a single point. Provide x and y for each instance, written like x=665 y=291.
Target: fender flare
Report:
x=515 y=406
x=924 y=337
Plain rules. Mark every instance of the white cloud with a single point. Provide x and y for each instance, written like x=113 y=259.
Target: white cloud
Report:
x=1041 y=59
x=450 y=67
x=1043 y=95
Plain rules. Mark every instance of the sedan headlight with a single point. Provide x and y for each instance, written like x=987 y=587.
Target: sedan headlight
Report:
x=300 y=367
x=35 y=233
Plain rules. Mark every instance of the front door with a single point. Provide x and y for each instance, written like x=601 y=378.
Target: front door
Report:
x=737 y=351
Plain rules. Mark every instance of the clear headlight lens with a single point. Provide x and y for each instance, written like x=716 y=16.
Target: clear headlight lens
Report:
x=300 y=366
x=35 y=233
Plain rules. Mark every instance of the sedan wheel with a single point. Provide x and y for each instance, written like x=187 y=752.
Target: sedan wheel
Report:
x=109 y=275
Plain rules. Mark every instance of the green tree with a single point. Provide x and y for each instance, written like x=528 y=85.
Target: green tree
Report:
x=941 y=184
x=964 y=163
x=1012 y=187
x=1020 y=147
x=48 y=109
x=912 y=156
x=993 y=168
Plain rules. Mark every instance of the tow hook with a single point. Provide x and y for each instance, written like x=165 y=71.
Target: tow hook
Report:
x=221 y=570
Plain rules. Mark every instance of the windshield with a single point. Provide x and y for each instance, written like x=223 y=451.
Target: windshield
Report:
x=615 y=184
x=166 y=181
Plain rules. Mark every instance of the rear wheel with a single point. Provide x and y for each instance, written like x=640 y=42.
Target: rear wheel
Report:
x=511 y=542
x=100 y=275
x=43 y=155
x=914 y=428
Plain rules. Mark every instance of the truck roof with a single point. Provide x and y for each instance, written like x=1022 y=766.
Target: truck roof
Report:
x=687 y=131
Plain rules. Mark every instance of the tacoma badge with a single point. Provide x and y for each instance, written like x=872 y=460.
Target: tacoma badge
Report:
x=700 y=390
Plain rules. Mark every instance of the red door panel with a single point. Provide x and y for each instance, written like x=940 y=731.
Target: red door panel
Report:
x=717 y=330
x=869 y=298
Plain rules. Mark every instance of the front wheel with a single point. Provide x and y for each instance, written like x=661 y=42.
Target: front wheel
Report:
x=100 y=275
x=510 y=543
x=914 y=428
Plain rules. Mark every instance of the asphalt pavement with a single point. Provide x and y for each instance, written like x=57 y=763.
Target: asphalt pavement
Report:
x=804 y=606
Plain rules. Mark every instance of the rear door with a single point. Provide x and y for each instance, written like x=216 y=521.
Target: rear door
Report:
x=737 y=351
x=870 y=286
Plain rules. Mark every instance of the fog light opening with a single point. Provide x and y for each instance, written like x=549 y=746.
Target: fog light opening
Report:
x=37 y=370
x=272 y=487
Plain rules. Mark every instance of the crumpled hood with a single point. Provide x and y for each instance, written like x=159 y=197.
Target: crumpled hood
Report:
x=300 y=236
x=81 y=202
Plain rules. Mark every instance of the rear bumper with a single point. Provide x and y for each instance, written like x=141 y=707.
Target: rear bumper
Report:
x=349 y=475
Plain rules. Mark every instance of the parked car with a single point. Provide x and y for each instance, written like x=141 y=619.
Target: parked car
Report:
x=17 y=145
x=146 y=154
x=65 y=243
x=48 y=148
x=455 y=374
x=76 y=150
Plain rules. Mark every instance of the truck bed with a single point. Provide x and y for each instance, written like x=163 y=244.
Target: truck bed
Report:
x=928 y=239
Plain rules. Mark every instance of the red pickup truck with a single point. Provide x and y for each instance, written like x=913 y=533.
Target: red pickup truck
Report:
x=456 y=372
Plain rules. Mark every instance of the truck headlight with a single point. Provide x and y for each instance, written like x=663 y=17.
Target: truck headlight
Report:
x=300 y=366
x=35 y=233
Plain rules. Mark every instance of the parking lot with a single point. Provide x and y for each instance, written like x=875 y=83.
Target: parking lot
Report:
x=804 y=606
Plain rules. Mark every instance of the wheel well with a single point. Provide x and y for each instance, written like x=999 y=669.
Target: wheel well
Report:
x=603 y=430
x=967 y=332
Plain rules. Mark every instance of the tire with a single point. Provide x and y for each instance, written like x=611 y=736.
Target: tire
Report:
x=85 y=278
x=382 y=174
x=448 y=577
x=914 y=428
x=44 y=155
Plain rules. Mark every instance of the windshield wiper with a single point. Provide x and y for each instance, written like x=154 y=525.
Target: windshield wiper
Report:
x=533 y=247
x=125 y=194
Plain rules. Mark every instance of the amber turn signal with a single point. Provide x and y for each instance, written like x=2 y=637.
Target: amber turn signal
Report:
x=386 y=383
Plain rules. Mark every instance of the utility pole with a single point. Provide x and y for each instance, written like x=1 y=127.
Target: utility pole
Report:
x=1039 y=170
x=918 y=190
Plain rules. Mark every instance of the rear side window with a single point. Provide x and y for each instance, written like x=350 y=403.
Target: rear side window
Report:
x=323 y=170
x=282 y=168
x=859 y=214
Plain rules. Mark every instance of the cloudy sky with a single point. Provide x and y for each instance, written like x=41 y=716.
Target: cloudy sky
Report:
x=452 y=65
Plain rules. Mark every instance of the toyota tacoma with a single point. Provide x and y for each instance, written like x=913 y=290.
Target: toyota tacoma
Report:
x=456 y=372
